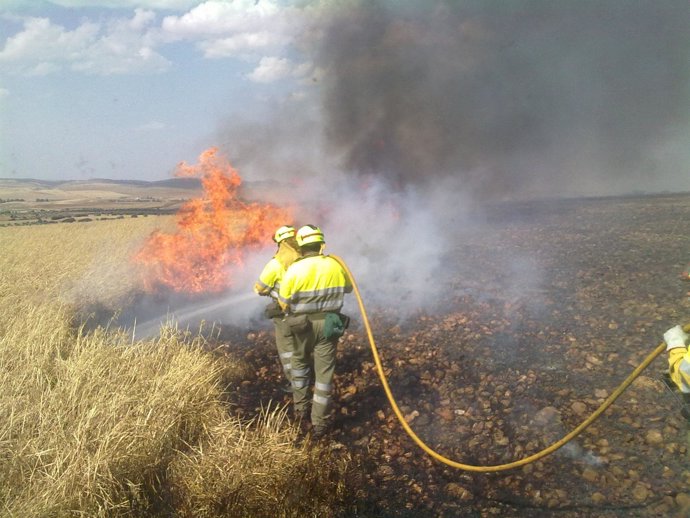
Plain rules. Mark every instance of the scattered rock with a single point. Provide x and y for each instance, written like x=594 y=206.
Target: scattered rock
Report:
x=598 y=498
x=579 y=408
x=385 y=470
x=683 y=500
x=411 y=416
x=590 y=475
x=348 y=392
x=547 y=416
x=593 y=360
x=654 y=437
x=601 y=393
x=445 y=413
x=640 y=492
x=460 y=492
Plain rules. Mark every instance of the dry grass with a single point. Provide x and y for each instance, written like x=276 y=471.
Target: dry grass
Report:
x=218 y=478
x=92 y=424
x=82 y=262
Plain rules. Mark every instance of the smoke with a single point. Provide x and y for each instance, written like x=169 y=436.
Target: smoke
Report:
x=422 y=112
x=391 y=241
x=530 y=97
x=143 y=314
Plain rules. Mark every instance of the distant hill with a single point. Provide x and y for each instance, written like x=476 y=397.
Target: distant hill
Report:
x=22 y=196
x=174 y=183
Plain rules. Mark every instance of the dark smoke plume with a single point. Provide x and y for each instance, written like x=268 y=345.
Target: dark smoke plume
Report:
x=427 y=110
x=526 y=96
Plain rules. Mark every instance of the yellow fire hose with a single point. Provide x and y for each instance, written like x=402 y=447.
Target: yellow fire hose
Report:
x=498 y=467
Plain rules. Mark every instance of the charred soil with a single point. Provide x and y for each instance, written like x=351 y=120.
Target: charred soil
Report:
x=547 y=307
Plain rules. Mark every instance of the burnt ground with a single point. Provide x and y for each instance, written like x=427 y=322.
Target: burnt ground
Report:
x=548 y=307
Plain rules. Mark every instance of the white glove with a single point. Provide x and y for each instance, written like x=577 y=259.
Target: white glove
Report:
x=675 y=337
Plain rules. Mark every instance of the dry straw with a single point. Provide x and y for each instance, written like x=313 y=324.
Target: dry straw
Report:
x=94 y=424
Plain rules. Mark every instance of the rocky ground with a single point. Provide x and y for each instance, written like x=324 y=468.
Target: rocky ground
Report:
x=550 y=305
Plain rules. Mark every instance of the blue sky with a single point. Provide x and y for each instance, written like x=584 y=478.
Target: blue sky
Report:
x=127 y=89
x=537 y=97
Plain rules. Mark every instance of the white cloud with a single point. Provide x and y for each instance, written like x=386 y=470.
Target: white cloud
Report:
x=117 y=47
x=41 y=69
x=176 y=5
x=244 y=29
x=273 y=68
x=42 y=41
x=223 y=29
x=4 y=92
x=125 y=47
x=270 y=69
x=216 y=17
x=142 y=18
x=238 y=44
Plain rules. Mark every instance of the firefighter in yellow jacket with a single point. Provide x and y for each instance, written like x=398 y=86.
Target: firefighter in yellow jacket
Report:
x=678 y=358
x=312 y=292
x=269 y=285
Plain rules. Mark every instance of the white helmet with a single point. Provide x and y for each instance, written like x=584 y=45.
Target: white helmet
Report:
x=309 y=234
x=283 y=233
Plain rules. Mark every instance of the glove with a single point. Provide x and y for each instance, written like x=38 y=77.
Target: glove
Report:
x=675 y=337
x=261 y=290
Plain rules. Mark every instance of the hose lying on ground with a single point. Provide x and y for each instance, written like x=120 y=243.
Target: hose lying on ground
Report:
x=498 y=467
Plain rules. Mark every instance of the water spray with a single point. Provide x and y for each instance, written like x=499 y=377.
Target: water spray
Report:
x=187 y=313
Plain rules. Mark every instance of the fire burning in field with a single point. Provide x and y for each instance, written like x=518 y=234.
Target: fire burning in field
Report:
x=213 y=232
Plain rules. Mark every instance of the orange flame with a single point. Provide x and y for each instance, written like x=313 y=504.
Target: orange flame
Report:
x=213 y=232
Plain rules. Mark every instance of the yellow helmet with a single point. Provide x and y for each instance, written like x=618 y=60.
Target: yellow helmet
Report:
x=283 y=233
x=309 y=234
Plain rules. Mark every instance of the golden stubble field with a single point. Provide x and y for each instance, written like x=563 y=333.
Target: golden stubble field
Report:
x=96 y=424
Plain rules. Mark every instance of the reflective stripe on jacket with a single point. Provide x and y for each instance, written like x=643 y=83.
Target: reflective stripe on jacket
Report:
x=679 y=368
x=314 y=284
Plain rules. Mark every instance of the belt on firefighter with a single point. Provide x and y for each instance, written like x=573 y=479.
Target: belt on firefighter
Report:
x=321 y=315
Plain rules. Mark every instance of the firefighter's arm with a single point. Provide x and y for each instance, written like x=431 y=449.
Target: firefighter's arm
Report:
x=678 y=356
x=267 y=279
x=679 y=367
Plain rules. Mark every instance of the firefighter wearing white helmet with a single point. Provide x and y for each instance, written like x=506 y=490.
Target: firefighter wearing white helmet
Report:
x=312 y=292
x=269 y=285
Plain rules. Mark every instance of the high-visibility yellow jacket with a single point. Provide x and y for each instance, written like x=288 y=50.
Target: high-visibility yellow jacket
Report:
x=272 y=274
x=313 y=284
x=679 y=367
x=269 y=280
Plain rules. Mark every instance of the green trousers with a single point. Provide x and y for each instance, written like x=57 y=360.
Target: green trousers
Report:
x=285 y=344
x=313 y=351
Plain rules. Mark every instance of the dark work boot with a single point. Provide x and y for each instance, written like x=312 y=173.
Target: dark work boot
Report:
x=319 y=432
x=685 y=412
x=287 y=387
x=666 y=380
